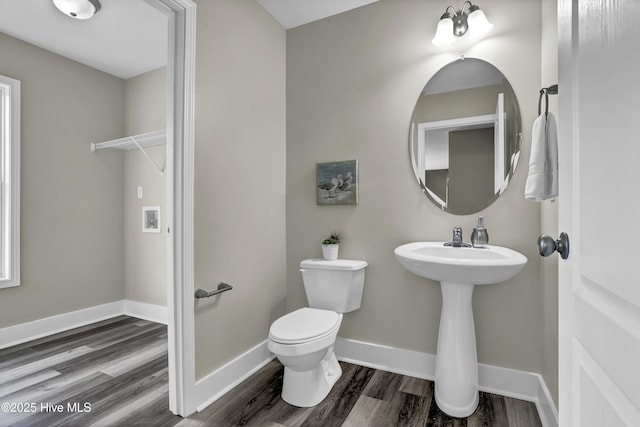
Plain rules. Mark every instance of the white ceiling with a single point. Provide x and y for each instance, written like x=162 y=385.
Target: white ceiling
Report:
x=293 y=13
x=129 y=37
x=125 y=38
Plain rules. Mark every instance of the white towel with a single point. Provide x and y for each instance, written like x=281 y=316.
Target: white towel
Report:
x=542 y=181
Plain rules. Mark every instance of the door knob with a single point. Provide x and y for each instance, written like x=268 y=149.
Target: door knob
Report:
x=547 y=246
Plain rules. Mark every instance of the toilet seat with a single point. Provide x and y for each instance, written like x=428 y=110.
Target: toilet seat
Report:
x=304 y=325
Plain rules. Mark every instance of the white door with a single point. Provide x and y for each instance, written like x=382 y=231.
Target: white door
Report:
x=599 y=207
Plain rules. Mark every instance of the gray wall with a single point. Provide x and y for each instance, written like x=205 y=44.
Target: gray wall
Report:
x=239 y=177
x=71 y=198
x=352 y=83
x=145 y=253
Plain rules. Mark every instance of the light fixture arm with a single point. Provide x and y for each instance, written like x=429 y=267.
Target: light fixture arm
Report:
x=448 y=14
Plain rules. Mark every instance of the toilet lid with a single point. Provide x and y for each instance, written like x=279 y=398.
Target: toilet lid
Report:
x=303 y=324
x=336 y=264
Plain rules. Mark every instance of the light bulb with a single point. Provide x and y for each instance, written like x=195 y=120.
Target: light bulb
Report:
x=478 y=24
x=444 y=32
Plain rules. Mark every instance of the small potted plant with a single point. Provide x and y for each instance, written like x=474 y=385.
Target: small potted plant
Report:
x=330 y=246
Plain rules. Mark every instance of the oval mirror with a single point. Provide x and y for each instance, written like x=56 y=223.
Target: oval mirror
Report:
x=465 y=136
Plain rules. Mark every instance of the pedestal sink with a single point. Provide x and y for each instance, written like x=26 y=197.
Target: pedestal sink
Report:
x=458 y=270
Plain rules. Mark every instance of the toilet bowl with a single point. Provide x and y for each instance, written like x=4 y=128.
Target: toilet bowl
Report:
x=303 y=340
x=310 y=365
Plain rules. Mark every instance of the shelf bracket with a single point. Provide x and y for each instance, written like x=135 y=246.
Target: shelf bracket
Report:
x=161 y=169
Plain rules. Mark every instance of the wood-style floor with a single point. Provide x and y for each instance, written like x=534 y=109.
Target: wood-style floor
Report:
x=114 y=373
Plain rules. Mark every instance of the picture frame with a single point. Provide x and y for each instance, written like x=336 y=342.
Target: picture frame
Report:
x=151 y=219
x=337 y=183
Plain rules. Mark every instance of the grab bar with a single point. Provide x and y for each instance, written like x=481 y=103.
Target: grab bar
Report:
x=222 y=287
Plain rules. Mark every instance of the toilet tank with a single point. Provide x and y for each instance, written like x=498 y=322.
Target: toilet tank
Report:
x=335 y=285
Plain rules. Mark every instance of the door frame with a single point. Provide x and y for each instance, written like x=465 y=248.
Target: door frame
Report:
x=181 y=15
x=565 y=213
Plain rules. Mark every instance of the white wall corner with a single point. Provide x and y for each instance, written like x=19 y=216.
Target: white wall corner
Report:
x=546 y=407
x=523 y=385
x=151 y=312
x=222 y=380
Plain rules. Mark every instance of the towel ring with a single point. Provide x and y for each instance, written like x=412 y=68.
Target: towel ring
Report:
x=546 y=91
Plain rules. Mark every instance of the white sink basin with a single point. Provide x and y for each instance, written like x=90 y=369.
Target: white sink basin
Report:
x=458 y=270
x=475 y=266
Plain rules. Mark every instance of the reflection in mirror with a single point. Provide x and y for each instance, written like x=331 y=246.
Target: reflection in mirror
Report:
x=465 y=136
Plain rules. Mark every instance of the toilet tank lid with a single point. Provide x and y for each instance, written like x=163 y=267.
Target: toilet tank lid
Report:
x=336 y=264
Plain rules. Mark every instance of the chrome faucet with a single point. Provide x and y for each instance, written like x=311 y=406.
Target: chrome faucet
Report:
x=456 y=240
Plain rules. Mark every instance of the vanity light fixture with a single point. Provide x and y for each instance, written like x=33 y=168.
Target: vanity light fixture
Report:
x=78 y=9
x=455 y=23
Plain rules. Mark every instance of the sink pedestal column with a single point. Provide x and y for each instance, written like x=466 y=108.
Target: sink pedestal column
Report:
x=456 y=383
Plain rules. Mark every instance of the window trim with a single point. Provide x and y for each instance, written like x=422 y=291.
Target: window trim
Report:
x=9 y=182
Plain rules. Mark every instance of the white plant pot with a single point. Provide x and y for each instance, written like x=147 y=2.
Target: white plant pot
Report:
x=330 y=252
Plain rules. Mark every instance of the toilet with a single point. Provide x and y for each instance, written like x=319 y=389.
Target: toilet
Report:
x=303 y=339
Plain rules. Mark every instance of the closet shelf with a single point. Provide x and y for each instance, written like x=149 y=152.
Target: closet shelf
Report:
x=139 y=142
x=148 y=139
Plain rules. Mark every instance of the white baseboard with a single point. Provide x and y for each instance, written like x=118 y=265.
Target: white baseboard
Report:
x=522 y=385
x=503 y=381
x=17 y=334
x=385 y=358
x=142 y=310
x=222 y=380
x=24 y=332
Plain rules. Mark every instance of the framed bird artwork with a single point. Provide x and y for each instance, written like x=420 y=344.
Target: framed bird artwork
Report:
x=337 y=183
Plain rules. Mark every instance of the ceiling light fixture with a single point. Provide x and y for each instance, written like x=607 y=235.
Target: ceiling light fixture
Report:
x=78 y=9
x=456 y=23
